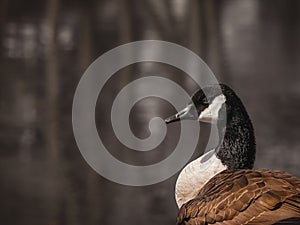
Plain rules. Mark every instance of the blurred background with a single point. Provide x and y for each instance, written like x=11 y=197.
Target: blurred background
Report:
x=251 y=45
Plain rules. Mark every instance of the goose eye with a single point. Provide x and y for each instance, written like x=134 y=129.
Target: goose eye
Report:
x=205 y=101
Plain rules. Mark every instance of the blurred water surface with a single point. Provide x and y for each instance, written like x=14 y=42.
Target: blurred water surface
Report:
x=251 y=45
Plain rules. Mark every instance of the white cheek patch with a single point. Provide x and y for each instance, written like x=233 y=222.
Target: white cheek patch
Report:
x=211 y=113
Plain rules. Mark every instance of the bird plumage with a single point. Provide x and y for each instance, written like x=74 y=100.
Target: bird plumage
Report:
x=234 y=194
x=244 y=197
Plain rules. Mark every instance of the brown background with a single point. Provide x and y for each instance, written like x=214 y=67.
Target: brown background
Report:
x=251 y=45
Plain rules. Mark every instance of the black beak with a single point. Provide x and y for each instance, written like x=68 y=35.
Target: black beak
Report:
x=188 y=113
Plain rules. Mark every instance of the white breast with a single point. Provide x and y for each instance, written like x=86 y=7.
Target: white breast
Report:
x=195 y=175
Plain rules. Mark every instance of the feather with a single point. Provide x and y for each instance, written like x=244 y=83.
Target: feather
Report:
x=249 y=197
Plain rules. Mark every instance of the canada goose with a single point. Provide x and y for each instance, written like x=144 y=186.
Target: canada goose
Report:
x=221 y=187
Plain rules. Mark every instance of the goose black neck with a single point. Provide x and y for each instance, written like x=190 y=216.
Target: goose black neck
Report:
x=237 y=149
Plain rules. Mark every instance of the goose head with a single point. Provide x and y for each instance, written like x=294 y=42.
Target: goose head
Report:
x=218 y=104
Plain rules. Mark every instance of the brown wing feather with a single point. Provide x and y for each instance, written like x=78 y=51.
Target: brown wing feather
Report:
x=244 y=197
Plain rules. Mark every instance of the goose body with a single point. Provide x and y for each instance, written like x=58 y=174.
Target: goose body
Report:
x=221 y=187
x=244 y=197
x=194 y=176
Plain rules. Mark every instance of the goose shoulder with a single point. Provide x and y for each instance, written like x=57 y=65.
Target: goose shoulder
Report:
x=244 y=197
